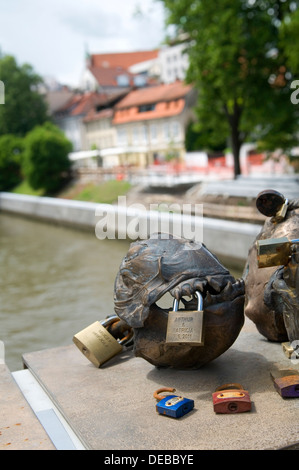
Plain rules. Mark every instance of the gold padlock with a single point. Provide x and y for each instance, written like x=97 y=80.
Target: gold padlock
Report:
x=280 y=215
x=185 y=326
x=97 y=344
x=274 y=251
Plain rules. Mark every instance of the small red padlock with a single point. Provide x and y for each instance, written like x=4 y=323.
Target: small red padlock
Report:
x=231 y=398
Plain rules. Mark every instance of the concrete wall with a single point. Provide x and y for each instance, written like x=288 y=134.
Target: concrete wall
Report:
x=224 y=238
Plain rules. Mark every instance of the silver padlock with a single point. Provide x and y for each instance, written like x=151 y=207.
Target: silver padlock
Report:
x=186 y=326
x=97 y=344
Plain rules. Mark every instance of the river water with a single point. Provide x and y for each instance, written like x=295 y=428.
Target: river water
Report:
x=54 y=281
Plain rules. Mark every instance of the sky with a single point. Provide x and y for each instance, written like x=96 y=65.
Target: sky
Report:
x=54 y=35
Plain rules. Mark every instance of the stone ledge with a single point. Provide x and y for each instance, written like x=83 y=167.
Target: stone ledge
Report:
x=19 y=427
x=113 y=407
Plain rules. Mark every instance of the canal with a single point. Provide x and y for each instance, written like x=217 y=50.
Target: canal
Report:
x=54 y=281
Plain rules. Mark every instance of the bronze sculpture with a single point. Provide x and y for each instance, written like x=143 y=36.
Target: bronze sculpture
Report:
x=269 y=296
x=272 y=293
x=182 y=267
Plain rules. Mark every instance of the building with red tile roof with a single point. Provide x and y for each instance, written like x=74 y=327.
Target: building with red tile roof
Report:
x=152 y=103
x=148 y=125
x=107 y=72
x=151 y=123
x=70 y=116
x=122 y=59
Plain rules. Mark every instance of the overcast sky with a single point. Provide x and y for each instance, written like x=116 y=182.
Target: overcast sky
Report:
x=52 y=35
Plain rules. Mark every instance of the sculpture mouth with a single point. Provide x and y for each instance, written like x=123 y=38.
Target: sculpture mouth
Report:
x=155 y=267
x=223 y=318
x=215 y=290
x=217 y=293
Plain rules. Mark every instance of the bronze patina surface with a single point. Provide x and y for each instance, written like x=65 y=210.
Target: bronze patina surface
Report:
x=272 y=293
x=182 y=267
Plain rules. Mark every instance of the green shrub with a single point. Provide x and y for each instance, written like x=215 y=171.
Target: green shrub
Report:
x=11 y=149
x=46 y=162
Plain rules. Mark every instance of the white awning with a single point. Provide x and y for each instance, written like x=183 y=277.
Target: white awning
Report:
x=74 y=156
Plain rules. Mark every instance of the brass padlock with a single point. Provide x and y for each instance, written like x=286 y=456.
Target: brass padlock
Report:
x=185 y=326
x=97 y=344
x=291 y=350
x=274 y=251
x=280 y=215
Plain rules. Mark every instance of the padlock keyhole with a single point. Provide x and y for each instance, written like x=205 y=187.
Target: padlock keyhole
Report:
x=232 y=406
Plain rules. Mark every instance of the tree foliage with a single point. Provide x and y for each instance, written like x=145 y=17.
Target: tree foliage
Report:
x=24 y=106
x=242 y=55
x=46 y=161
x=289 y=39
x=195 y=139
x=11 y=148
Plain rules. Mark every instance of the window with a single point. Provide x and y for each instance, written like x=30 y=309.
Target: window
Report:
x=139 y=80
x=154 y=132
x=122 y=136
x=143 y=134
x=166 y=131
x=146 y=107
x=172 y=131
x=135 y=135
x=123 y=80
x=176 y=130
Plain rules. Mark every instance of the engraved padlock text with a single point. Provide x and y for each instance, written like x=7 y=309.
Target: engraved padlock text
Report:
x=185 y=326
x=97 y=344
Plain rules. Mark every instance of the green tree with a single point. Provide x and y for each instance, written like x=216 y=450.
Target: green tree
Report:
x=240 y=62
x=11 y=148
x=209 y=140
x=289 y=39
x=24 y=106
x=46 y=162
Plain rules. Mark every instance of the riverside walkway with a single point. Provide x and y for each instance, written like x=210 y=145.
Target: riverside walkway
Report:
x=246 y=186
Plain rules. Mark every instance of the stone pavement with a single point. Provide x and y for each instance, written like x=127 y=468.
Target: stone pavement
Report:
x=19 y=427
x=113 y=407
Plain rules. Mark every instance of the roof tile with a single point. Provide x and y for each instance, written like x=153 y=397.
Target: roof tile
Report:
x=122 y=59
x=169 y=100
x=154 y=94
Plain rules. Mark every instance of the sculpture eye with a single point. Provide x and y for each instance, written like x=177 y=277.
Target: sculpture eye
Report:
x=128 y=281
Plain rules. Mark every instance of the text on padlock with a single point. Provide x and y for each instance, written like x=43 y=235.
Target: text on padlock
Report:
x=186 y=326
x=97 y=344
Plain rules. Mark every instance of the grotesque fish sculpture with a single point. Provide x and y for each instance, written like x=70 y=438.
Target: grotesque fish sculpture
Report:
x=182 y=267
